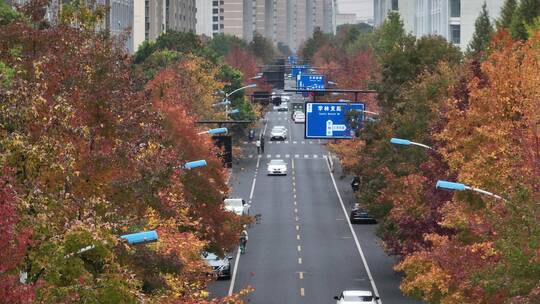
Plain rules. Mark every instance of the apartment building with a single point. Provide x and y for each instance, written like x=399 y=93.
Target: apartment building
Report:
x=169 y=15
x=452 y=19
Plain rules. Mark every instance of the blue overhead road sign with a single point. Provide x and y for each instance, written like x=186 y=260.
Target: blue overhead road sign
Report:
x=292 y=59
x=311 y=82
x=298 y=69
x=331 y=120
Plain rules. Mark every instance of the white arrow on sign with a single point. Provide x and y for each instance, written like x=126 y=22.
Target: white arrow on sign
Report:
x=339 y=127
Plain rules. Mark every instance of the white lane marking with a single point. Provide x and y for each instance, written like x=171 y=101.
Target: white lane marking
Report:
x=306 y=156
x=237 y=260
x=268 y=155
x=292 y=161
x=298 y=236
x=294 y=142
x=302 y=292
x=319 y=141
x=364 y=261
x=296 y=156
x=251 y=156
x=303 y=142
x=252 y=188
x=287 y=155
x=310 y=142
x=299 y=260
x=286 y=141
x=278 y=155
x=299 y=248
x=301 y=275
x=315 y=156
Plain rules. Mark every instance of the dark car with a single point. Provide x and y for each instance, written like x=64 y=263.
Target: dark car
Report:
x=361 y=216
x=221 y=267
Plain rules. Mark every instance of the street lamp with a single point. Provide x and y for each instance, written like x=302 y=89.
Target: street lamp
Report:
x=141 y=237
x=406 y=142
x=460 y=187
x=214 y=131
x=195 y=164
x=226 y=101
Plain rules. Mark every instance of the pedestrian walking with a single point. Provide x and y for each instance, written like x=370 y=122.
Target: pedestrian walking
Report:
x=262 y=144
x=258 y=144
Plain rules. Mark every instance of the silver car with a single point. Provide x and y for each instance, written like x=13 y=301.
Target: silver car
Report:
x=277 y=167
x=221 y=267
x=278 y=132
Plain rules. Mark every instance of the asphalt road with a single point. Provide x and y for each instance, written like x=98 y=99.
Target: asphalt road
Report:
x=303 y=250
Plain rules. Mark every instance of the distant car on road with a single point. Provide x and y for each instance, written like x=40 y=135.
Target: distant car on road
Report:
x=278 y=132
x=277 y=167
x=282 y=107
x=221 y=267
x=236 y=205
x=356 y=297
x=299 y=118
x=361 y=216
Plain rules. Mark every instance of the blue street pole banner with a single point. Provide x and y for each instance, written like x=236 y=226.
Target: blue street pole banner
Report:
x=332 y=120
x=311 y=82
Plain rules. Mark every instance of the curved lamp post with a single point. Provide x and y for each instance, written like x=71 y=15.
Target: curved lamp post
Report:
x=214 y=131
x=460 y=187
x=406 y=142
x=226 y=99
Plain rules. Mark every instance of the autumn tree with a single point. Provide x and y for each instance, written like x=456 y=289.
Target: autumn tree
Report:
x=524 y=15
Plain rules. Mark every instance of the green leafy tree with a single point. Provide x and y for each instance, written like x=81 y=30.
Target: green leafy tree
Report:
x=221 y=44
x=483 y=32
x=312 y=45
x=507 y=11
x=524 y=15
x=391 y=34
x=7 y=14
x=262 y=48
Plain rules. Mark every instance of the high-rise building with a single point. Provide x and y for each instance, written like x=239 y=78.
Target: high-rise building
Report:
x=452 y=19
x=205 y=16
x=169 y=15
x=290 y=22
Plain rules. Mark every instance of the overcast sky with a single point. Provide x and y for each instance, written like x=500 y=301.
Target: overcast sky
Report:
x=362 y=8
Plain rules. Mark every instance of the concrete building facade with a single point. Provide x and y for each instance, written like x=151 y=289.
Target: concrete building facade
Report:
x=452 y=19
x=169 y=15
x=204 y=18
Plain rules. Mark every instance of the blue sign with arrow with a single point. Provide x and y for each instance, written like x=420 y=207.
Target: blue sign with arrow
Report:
x=333 y=120
x=311 y=82
x=292 y=59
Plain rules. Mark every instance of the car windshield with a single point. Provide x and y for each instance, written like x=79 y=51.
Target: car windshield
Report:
x=278 y=128
x=277 y=162
x=358 y=298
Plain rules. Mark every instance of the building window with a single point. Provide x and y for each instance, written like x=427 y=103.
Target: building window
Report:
x=455 y=8
x=215 y=27
x=455 y=33
x=215 y=18
x=215 y=3
x=215 y=11
x=395 y=5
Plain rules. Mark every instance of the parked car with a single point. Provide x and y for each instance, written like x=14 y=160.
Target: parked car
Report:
x=300 y=118
x=356 y=297
x=278 y=132
x=221 y=267
x=236 y=205
x=361 y=216
x=277 y=167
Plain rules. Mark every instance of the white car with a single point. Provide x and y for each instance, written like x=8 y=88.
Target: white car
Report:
x=299 y=117
x=278 y=132
x=236 y=205
x=283 y=107
x=277 y=167
x=356 y=297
